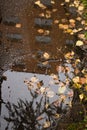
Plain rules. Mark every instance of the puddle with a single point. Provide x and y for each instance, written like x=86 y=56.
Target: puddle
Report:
x=37 y=95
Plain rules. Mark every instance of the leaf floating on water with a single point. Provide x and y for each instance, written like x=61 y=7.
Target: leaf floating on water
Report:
x=81 y=96
x=46 y=32
x=50 y=94
x=40 y=31
x=56 y=21
x=54 y=76
x=41 y=15
x=52 y=2
x=40 y=4
x=56 y=116
x=46 y=124
x=72 y=21
x=79 y=43
x=61 y=89
x=34 y=79
x=18 y=25
x=54 y=10
x=42 y=90
x=67 y=1
x=75 y=79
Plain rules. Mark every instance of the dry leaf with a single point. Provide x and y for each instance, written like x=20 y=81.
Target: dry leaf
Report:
x=50 y=94
x=75 y=79
x=81 y=96
x=61 y=89
x=40 y=4
x=80 y=8
x=40 y=31
x=56 y=21
x=18 y=25
x=72 y=21
x=46 y=124
x=79 y=43
x=46 y=32
x=46 y=56
x=67 y=1
x=54 y=10
x=34 y=79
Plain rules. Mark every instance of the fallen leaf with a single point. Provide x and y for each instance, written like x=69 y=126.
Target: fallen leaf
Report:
x=56 y=115
x=46 y=56
x=79 y=43
x=80 y=8
x=61 y=89
x=18 y=25
x=40 y=4
x=56 y=21
x=40 y=31
x=46 y=124
x=81 y=96
x=75 y=79
x=34 y=79
x=50 y=94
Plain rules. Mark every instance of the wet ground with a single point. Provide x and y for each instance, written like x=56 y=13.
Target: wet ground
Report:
x=31 y=48
x=22 y=45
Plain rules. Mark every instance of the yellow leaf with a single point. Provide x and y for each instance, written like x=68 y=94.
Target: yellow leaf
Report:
x=81 y=96
x=78 y=86
x=40 y=31
x=18 y=25
x=56 y=115
x=75 y=79
x=79 y=43
x=69 y=30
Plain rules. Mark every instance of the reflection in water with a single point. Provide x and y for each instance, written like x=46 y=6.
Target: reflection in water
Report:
x=39 y=105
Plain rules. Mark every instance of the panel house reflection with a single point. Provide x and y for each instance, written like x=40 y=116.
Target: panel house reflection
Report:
x=31 y=39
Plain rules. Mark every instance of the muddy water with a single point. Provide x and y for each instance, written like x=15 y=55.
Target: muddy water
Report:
x=22 y=50
x=21 y=46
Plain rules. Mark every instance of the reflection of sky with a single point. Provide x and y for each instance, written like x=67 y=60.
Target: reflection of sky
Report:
x=14 y=88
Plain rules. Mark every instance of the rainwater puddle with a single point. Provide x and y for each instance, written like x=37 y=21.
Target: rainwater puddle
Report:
x=33 y=101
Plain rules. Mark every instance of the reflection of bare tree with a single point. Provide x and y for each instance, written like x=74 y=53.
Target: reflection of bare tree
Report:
x=1 y=80
x=28 y=115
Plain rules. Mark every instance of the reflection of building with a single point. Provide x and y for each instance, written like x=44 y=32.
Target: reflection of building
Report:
x=21 y=38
